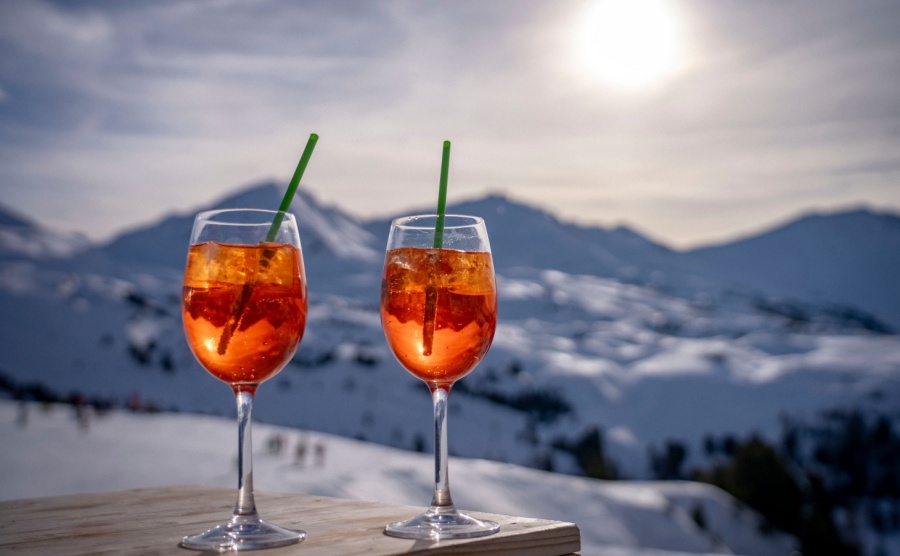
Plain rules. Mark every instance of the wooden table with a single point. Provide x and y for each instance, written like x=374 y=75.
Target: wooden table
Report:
x=153 y=521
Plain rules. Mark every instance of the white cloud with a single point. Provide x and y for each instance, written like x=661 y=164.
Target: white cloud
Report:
x=779 y=106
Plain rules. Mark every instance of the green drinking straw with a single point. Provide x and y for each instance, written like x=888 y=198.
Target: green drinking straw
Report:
x=292 y=187
x=442 y=197
x=247 y=290
x=430 y=289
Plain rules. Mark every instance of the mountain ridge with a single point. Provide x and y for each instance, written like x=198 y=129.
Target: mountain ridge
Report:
x=850 y=257
x=818 y=257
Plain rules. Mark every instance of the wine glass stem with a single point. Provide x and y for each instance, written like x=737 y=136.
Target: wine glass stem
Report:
x=246 y=506
x=441 y=480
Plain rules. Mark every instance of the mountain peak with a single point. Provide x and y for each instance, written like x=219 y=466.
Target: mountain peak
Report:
x=322 y=229
x=21 y=237
x=9 y=218
x=850 y=257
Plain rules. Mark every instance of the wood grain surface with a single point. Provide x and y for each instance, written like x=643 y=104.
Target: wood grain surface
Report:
x=153 y=521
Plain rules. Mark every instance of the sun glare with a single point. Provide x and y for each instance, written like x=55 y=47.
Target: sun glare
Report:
x=630 y=44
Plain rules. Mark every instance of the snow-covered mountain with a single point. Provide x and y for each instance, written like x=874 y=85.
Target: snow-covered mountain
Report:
x=850 y=258
x=333 y=242
x=608 y=346
x=527 y=237
x=22 y=238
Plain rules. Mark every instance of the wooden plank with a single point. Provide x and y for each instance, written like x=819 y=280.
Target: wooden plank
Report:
x=153 y=521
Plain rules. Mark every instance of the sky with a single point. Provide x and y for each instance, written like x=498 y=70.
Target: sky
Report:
x=692 y=121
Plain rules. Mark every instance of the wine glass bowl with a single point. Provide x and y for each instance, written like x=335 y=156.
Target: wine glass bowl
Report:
x=465 y=308
x=244 y=305
x=439 y=313
x=246 y=309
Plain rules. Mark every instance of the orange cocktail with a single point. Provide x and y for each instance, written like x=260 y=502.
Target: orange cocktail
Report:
x=438 y=310
x=244 y=309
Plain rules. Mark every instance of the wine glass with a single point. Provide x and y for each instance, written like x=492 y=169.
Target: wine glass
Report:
x=244 y=312
x=439 y=312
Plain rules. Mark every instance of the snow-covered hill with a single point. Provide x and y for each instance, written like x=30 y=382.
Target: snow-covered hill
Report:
x=605 y=340
x=56 y=453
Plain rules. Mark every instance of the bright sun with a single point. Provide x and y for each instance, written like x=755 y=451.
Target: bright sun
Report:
x=630 y=44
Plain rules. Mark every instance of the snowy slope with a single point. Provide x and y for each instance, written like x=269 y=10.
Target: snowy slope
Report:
x=56 y=454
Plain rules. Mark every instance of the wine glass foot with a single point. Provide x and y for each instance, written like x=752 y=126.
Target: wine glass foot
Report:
x=441 y=523
x=242 y=533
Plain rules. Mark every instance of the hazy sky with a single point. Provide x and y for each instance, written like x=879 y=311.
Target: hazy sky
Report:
x=693 y=121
